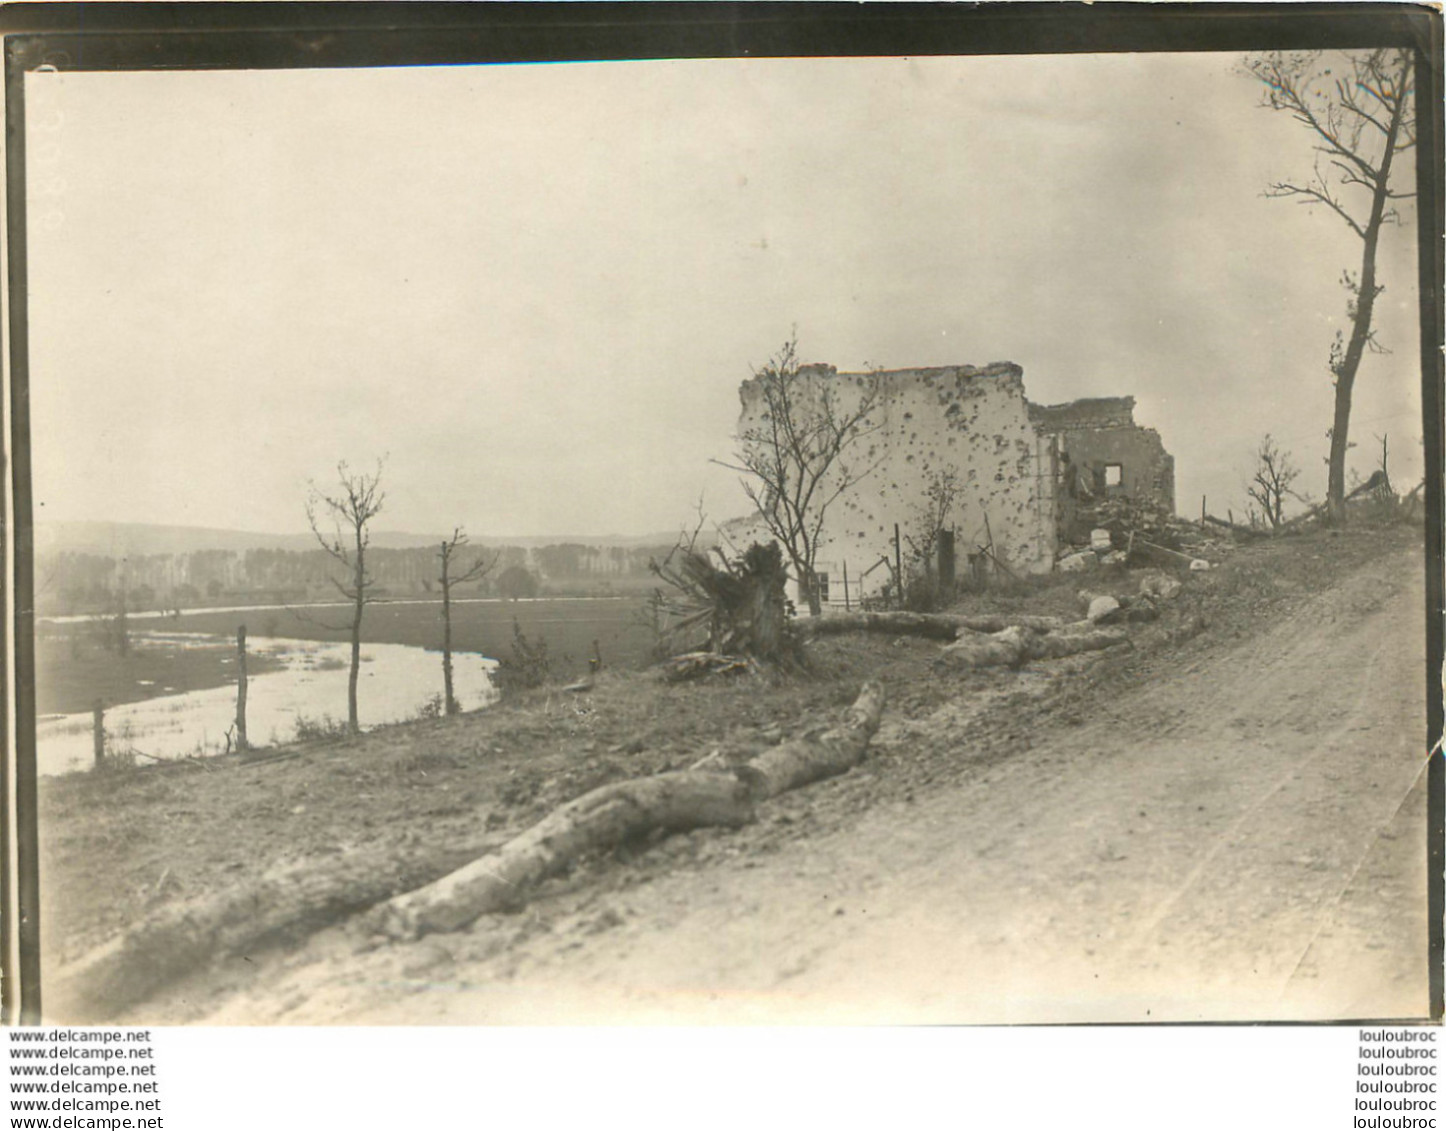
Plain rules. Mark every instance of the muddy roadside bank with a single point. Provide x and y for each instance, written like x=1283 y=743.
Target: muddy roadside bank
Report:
x=438 y=791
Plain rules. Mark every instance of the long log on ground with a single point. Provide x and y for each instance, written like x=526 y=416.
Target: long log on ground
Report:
x=1014 y=647
x=1053 y=647
x=615 y=813
x=604 y=818
x=1235 y=526
x=998 y=622
x=813 y=758
x=934 y=626
x=895 y=623
x=287 y=903
x=1002 y=649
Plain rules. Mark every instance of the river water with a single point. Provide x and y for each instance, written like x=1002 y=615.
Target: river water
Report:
x=397 y=682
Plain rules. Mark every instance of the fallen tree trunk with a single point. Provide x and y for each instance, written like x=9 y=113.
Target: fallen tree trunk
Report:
x=1014 y=647
x=1002 y=649
x=813 y=758
x=1054 y=647
x=604 y=818
x=998 y=622
x=934 y=626
x=1249 y=531
x=896 y=623
x=294 y=899
x=287 y=903
x=608 y=816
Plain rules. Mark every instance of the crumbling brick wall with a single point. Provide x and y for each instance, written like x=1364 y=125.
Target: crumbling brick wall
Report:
x=1099 y=446
x=974 y=421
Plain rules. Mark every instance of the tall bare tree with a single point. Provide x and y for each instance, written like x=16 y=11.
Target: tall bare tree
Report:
x=480 y=567
x=1271 y=482
x=348 y=512
x=797 y=455
x=1359 y=109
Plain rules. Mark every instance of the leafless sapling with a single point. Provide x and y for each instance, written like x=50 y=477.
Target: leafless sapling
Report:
x=930 y=518
x=1359 y=109
x=349 y=511
x=1271 y=480
x=797 y=453
x=479 y=568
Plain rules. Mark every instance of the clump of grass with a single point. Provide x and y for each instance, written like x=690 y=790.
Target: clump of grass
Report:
x=119 y=754
x=311 y=730
x=117 y=761
x=420 y=762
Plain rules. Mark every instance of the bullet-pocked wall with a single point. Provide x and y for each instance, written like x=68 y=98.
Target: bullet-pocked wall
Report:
x=972 y=421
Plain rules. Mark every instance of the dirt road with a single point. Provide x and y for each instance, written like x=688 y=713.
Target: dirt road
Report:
x=1240 y=837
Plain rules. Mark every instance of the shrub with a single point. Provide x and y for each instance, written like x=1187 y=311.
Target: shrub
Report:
x=925 y=594
x=528 y=666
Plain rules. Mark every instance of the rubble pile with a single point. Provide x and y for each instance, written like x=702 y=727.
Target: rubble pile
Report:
x=1140 y=532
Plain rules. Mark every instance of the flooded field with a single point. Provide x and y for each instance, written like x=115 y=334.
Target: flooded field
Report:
x=172 y=693
x=303 y=693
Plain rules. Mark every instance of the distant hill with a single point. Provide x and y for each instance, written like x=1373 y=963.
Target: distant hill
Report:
x=139 y=539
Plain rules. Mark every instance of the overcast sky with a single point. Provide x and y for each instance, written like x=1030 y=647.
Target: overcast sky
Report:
x=537 y=288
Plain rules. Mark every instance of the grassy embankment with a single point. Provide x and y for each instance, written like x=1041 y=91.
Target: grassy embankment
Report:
x=117 y=847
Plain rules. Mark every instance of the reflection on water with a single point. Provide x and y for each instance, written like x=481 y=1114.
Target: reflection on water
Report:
x=396 y=682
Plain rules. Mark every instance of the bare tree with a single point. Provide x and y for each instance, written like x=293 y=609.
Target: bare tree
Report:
x=479 y=569
x=117 y=629
x=1359 y=109
x=930 y=517
x=796 y=455
x=1271 y=483
x=349 y=512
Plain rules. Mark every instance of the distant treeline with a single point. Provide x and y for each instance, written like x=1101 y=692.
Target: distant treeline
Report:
x=69 y=582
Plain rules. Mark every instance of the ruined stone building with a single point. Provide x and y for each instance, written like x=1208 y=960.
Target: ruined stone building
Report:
x=1020 y=470
x=1100 y=452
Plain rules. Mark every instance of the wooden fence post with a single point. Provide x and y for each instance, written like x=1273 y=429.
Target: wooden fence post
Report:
x=847 y=606
x=98 y=723
x=898 y=566
x=241 y=743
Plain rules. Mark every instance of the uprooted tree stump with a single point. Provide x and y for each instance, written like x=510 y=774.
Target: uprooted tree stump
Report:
x=741 y=602
x=612 y=814
x=1014 y=646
